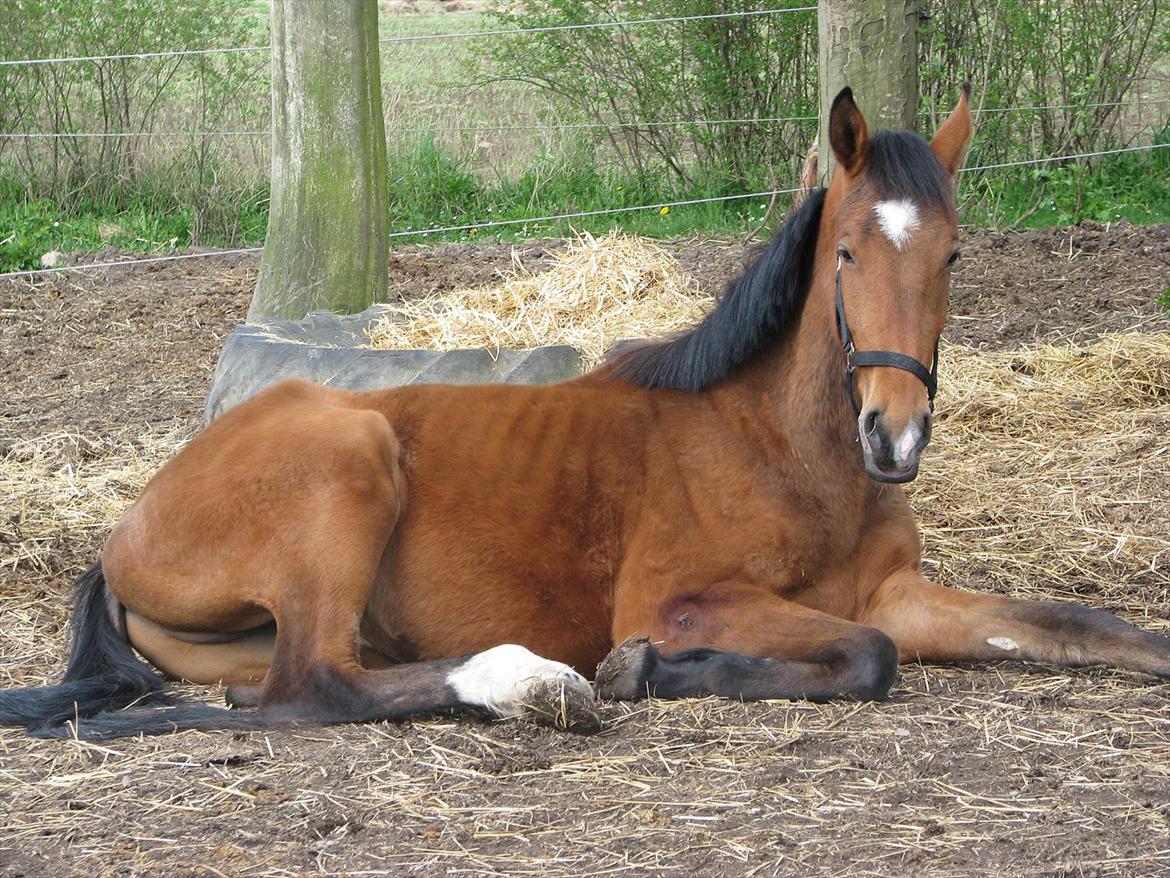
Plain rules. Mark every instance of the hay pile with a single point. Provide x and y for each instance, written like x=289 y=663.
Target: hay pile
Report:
x=1049 y=469
x=600 y=291
x=58 y=485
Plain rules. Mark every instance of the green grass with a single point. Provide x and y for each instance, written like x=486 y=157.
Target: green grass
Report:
x=145 y=221
x=1129 y=186
x=431 y=187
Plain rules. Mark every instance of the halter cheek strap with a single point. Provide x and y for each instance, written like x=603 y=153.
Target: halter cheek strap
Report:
x=856 y=359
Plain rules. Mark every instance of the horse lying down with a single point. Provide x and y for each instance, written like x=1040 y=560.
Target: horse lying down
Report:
x=723 y=506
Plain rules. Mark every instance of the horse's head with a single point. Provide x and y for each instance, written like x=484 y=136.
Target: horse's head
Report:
x=896 y=239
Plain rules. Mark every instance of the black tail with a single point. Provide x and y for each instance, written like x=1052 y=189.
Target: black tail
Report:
x=157 y=720
x=103 y=674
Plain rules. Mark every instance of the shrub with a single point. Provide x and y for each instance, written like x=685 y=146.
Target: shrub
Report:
x=754 y=67
x=134 y=98
x=1078 y=60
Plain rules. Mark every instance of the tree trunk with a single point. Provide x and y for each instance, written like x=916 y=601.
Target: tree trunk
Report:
x=326 y=246
x=871 y=46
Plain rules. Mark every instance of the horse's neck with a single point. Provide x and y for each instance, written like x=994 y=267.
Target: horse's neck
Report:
x=796 y=393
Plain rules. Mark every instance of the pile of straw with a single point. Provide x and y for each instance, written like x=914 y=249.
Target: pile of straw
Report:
x=1049 y=468
x=600 y=291
x=56 y=486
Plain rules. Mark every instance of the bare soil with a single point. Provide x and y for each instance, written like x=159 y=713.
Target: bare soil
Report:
x=964 y=771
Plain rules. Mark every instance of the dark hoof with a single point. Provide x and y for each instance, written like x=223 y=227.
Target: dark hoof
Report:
x=562 y=703
x=625 y=672
x=242 y=696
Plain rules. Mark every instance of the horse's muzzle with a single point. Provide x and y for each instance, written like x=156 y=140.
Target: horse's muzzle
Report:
x=889 y=458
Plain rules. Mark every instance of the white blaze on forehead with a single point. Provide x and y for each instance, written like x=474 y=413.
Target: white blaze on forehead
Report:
x=898 y=219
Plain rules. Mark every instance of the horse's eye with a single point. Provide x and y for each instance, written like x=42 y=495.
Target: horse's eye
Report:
x=845 y=255
x=954 y=258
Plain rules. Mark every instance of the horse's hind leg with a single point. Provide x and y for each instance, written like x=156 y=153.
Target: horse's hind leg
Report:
x=933 y=623
x=316 y=674
x=327 y=684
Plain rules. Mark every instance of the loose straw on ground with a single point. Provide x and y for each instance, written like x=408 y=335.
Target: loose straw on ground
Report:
x=600 y=291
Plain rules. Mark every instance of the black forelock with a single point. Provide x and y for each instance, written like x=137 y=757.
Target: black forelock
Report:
x=900 y=164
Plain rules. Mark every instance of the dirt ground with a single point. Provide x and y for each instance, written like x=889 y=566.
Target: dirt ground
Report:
x=964 y=771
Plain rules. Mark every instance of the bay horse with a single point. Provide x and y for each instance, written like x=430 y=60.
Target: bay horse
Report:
x=718 y=513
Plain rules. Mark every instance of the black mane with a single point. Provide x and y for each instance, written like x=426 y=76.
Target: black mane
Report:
x=767 y=297
x=754 y=308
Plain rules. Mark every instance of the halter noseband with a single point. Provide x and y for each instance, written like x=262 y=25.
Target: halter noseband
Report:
x=855 y=358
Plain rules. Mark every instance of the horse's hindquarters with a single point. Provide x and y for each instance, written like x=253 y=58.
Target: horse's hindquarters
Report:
x=276 y=513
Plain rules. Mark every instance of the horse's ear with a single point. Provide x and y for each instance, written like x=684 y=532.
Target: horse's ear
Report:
x=954 y=135
x=848 y=134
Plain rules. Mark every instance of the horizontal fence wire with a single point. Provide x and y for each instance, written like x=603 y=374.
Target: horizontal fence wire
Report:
x=54 y=135
x=418 y=38
x=568 y=126
x=1069 y=157
x=1041 y=107
x=409 y=233
x=594 y=25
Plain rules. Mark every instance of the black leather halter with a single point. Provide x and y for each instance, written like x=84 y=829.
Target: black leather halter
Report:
x=855 y=359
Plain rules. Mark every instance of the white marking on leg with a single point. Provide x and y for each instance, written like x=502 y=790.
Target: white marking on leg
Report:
x=898 y=219
x=500 y=678
x=1004 y=643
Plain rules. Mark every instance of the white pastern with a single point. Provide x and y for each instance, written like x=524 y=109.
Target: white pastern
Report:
x=898 y=219
x=500 y=678
x=1004 y=643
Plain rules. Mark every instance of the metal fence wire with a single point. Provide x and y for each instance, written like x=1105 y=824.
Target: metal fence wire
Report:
x=536 y=220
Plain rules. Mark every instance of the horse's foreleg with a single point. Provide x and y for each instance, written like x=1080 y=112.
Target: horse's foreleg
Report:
x=929 y=622
x=743 y=642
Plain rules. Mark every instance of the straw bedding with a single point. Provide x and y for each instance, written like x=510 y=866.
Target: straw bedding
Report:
x=1047 y=476
x=599 y=291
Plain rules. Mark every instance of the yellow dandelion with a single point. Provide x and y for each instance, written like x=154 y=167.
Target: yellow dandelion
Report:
x=663 y=211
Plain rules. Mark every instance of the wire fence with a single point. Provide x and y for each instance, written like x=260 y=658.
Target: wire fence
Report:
x=571 y=126
x=561 y=217
x=419 y=38
x=533 y=221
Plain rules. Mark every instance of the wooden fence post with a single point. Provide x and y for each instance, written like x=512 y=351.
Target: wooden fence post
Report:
x=871 y=46
x=327 y=242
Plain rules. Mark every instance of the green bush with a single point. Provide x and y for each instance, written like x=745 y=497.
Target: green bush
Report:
x=1078 y=61
x=755 y=67
x=137 y=99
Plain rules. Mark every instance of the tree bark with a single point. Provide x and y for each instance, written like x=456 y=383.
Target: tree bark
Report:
x=871 y=46
x=326 y=247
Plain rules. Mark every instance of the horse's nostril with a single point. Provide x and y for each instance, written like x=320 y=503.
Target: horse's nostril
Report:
x=871 y=419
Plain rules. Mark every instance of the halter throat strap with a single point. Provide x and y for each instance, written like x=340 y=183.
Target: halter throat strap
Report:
x=855 y=359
